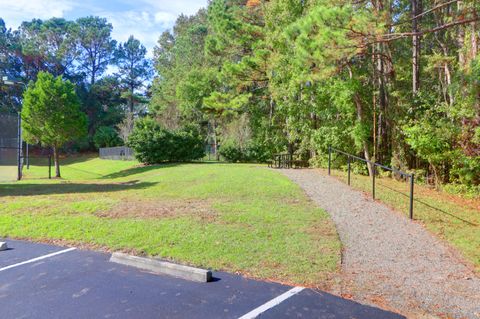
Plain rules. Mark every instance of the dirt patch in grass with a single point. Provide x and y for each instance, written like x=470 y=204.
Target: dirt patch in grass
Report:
x=145 y=209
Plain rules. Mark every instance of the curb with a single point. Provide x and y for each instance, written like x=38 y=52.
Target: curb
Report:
x=163 y=267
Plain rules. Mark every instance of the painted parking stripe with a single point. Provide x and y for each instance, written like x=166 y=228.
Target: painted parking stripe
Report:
x=272 y=303
x=38 y=258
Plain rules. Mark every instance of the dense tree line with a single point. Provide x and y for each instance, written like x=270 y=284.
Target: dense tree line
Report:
x=394 y=81
x=80 y=51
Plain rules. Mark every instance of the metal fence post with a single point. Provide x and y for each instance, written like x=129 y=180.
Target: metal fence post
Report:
x=348 y=160
x=19 y=151
x=50 y=166
x=329 y=158
x=373 y=180
x=412 y=179
x=28 y=157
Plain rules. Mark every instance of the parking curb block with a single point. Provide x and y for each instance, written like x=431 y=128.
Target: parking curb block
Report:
x=3 y=245
x=163 y=267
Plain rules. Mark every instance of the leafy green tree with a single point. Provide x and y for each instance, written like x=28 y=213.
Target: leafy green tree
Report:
x=51 y=114
x=178 y=56
x=154 y=144
x=52 y=42
x=93 y=35
x=106 y=136
x=11 y=66
x=133 y=69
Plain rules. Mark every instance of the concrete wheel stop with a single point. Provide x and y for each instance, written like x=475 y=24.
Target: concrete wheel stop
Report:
x=163 y=267
x=3 y=245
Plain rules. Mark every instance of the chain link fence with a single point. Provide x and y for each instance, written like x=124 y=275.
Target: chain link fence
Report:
x=10 y=147
x=117 y=153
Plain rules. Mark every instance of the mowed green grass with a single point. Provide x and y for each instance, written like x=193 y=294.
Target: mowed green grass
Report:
x=452 y=218
x=233 y=217
x=8 y=173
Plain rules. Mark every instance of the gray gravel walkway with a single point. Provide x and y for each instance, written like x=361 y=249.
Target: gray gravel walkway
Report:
x=389 y=259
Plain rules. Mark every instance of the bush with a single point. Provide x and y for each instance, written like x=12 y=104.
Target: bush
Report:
x=153 y=144
x=258 y=152
x=106 y=136
x=254 y=152
x=232 y=152
x=466 y=169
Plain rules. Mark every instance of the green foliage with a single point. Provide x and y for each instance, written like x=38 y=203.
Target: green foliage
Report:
x=254 y=151
x=133 y=69
x=431 y=136
x=96 y=45
x=232 y=152
x=466 y=169
x=191 y=90
x=51 y=112
x=53 y=41
x=106 y=136
x=154 y=144
x=259 y=151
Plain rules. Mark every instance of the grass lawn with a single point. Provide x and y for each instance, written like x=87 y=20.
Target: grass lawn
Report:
x=453 y=218
x=234 y=217
x=8 y=173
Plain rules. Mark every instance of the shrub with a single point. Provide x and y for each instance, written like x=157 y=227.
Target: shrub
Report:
x=258 y=152
x=188 y=144
x=106 y=136
x=253 y=152
x=231 y=152
x=153 y=144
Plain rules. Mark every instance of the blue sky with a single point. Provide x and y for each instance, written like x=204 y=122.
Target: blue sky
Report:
x=145 y=19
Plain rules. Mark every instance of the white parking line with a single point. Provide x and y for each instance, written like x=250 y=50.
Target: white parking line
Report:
x=38 y=258
x=272 y=303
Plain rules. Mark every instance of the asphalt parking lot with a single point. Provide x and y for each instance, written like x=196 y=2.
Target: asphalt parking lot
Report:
x=44 y=281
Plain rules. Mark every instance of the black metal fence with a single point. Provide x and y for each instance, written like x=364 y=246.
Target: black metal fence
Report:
x=373 y=165
x=288 y=160
x=116 y=153
x=38 y=164
x=10 y=146
x=282 y=160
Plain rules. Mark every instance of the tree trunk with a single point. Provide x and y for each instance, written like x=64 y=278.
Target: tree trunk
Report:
x=474 y=39
x=130 y=100
x=473 y=53
x=215 y=143
x=359 y=106
x=382 y=71
x=461 y=38
x=415 y=47
x=272 y=104
x=57 y=162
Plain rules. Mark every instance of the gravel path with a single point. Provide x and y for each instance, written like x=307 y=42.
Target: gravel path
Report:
x=389 y=259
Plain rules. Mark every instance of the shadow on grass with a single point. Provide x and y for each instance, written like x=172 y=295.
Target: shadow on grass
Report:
x=65 y=160
x=69 y=188
x=137 y=170
x=147 y=168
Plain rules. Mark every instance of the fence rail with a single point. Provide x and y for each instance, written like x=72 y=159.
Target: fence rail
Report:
x=282 y=160
x=116 y=153
x=374 y=165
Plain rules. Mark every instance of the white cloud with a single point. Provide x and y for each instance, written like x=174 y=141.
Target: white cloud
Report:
x=144 y=19
x=176 y=7
x=17 y=11
x=143 y=25
x=164 y=17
